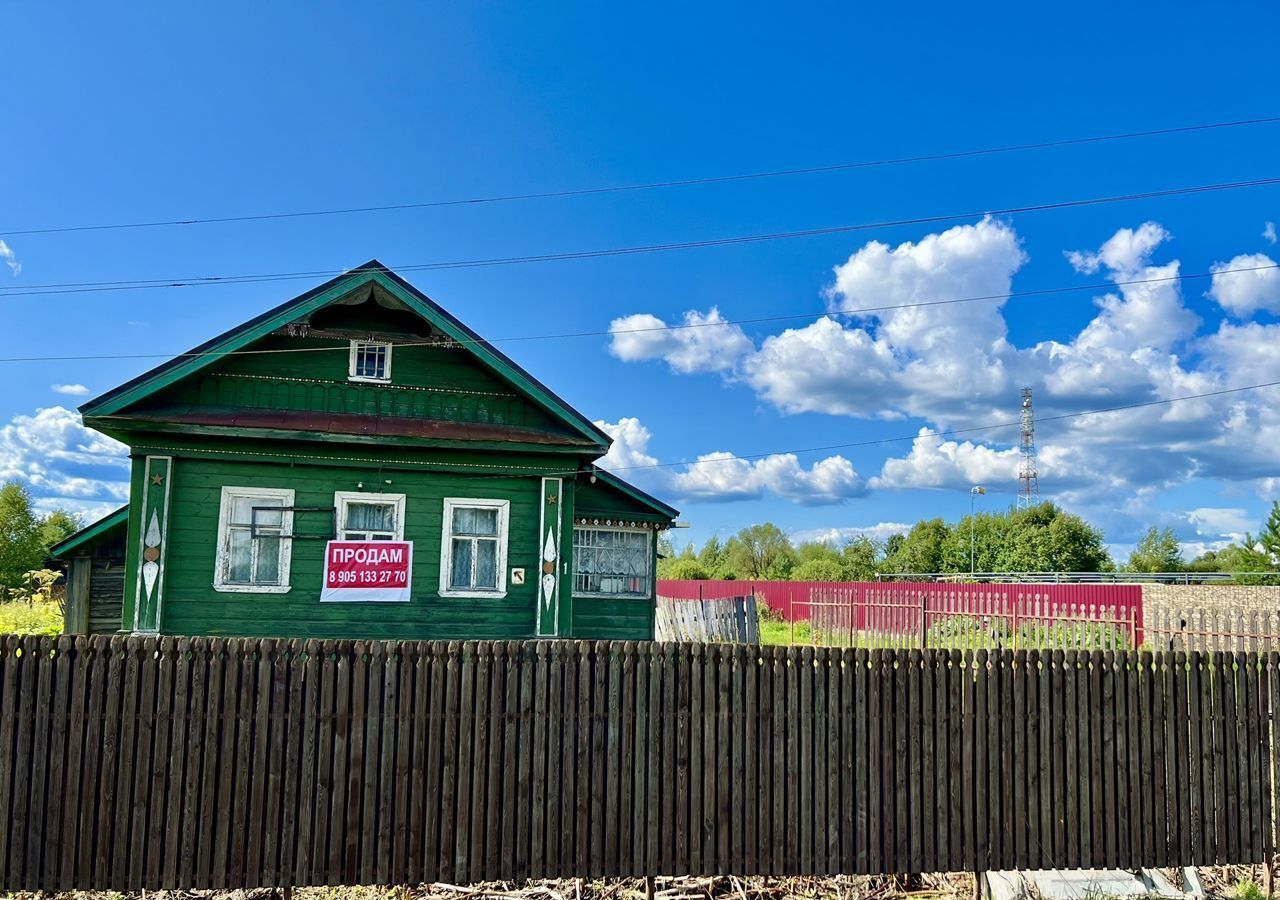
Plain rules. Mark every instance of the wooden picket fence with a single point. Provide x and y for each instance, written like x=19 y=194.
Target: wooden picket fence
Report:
x=129 y=763
x=910 y=615
x=727 y=619
x=1213 y=629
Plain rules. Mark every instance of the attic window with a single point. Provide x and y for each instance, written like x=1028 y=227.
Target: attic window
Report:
x=370 y=361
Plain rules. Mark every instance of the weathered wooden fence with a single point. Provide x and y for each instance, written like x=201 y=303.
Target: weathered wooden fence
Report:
x=730 y=619
x=144 y=762
x=906 y=615
x=1213 y=629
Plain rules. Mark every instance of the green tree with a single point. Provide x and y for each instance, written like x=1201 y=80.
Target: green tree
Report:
x=893 y=543
x=57 y=526
x=760 y=551
x=819 y=569
x=684 y=569
x=921 y=550
x=713 y=558
x=1044 y=538
x=813 y=551
x=21 y=545
x=668 y=562
x=987 y=532
x=1269 y=539
x=861 y=557
x=1253 y=559
x=1157 y=551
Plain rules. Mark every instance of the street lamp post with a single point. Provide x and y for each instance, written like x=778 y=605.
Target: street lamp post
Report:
x=974 y=493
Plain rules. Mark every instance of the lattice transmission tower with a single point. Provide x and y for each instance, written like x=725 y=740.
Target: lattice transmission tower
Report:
x=1028 y=477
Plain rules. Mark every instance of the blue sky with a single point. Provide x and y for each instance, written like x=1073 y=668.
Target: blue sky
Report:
x=146 y=112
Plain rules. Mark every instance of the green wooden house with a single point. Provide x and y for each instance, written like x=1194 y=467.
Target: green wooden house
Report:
x=357 y=463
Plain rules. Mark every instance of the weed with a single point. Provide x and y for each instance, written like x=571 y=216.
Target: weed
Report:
x=1246 y=889
x=20 y=617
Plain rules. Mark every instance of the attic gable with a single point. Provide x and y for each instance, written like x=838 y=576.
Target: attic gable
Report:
x=440 y=362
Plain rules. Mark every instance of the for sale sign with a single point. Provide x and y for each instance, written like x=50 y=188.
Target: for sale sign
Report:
x=367 y=571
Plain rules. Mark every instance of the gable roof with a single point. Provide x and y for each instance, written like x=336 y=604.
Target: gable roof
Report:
x=372 y=272
x=111 y=521
x=608 y=479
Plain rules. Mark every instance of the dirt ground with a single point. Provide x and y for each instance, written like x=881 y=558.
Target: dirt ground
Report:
x=1227 y=883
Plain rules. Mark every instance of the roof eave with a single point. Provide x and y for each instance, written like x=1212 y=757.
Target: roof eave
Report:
x=90 y=532
x=373 y=271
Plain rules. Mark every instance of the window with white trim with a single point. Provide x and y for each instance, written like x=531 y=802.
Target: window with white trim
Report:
x=612 y=562
x=473 y=548
x=368 y=517
x=255 y=527
x=370 y=361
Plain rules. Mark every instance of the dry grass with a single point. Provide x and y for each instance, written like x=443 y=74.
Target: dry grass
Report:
x=1219 y=882
x=927 y=887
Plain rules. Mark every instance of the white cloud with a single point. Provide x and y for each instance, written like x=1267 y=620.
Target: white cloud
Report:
x=10 y=259
x=1192 y=549
x=953 y=365
x=71 y=390
x=720 y=477
x=935 y=462
x=916 y=360
x=826 y=367
x=1269 y=232
x=698 y=344
x=1243 y=293
x=630 y=443
x=880 y=532
x=62 y=462
x=1125 y=252
x=1220 y=521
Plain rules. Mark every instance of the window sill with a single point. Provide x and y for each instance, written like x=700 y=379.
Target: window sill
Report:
x=253 y=588
x=582 y=596
x=365 y=379
x=473 y=595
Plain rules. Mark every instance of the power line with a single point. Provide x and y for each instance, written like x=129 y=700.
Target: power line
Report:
x=83 y=287
x=654 y=185
x=954 y=431
x=679 y=326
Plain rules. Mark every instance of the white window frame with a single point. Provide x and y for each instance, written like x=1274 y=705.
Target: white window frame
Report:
x=446 y=545
x=223 y=558
x=342 y=498
x=573 y=574
x=355 y=354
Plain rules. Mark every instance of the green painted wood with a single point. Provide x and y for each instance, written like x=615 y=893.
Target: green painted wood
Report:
x=193 y=606
x=387 y=285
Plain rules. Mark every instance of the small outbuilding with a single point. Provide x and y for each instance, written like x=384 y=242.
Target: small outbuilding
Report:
x=357 y=463
x=94 y=557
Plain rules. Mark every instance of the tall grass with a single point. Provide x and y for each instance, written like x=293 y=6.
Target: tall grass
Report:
x=40 y=618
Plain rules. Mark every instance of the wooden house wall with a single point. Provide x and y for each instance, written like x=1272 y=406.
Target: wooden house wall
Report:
x=439 y=383
x=106 y=594
x=599 y=617
x=191 y=605
x=95 y=585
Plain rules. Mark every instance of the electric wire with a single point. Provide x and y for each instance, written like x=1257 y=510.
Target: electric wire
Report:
x=950 y=432
x=653 y=185
x=140 y=284
x=677 y=326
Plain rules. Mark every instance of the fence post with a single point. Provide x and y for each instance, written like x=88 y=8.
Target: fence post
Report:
x=924 y=607
x=791 y=612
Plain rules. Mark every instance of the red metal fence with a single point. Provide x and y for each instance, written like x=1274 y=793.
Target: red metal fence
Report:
x=918 y=614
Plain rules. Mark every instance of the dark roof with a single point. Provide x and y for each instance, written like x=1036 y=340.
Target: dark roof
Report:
x=110 y=522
